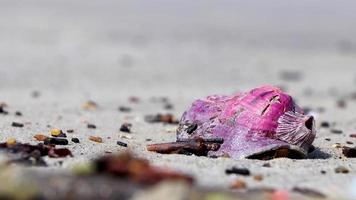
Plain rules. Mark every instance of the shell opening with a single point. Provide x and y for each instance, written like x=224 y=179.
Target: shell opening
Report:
x=309 y=123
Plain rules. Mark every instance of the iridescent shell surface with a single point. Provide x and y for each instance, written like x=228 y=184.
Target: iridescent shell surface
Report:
x=252 y=123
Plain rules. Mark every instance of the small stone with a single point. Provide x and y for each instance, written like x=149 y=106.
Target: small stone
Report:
x=341 y=103
x=40 y=137
x=91 y=126
x=168 y=106
x=124 y=109
x=10 y=142
x=309 y=192
x=266 y=165
x=323 y=172
x=240 y=171
x=349 y=142
x=75 y=140
x=342 y=170
x=133 y=99
x=353 y=135
x=96 y=139
x=35 y=94
x=16 y=124
x=238 y=184
x=56 y=132
x=18 y=113
x=126 y=127
x=125 y=136
x=123 y=144
x=55 y=141
x=90 y=105
x=336 y=131
x=258 y=177
x=70 y=131
x=327 y=139
x=349 y=152
x=325 y=124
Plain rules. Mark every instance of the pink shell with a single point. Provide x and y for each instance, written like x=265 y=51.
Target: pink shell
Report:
x=250 y=124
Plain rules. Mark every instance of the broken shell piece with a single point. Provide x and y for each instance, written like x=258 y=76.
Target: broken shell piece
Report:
x=264 y=123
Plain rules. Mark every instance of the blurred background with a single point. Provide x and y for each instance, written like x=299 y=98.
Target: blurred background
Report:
x=177 y=47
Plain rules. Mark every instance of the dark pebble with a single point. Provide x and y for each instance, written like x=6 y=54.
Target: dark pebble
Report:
x=349 y=152
x=349 y=142
x=2 y=111
x=290 y=75
x=124 y=109
x=342 y=170
x=266 y=165
x=92 y=126
x=353 y=135
x=55 y=141
x=123 y=144
x=327 y=139
x=126 y=127
x=240 y=171
x=18 y=113
x=341 y=103
x=336 y=131
x=323 y=172
x=168 y=106
x=75 y=140
x=148 y=139
x=70 y=131
x=309 y=192
x=16 y=124
x=325 y=124
x=35 y=94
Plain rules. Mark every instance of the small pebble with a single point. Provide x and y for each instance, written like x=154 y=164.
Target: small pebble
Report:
x=96 y=139
x=238 y=184
x=18 y=113
x=90 y=105
x=258 y=177
x=134 y=99
x=123 y=144
x=168 y=106
x=126 y=127
x=266 y=165
x=323 y=172
x=35 y=94
x=91 y=126
x=341 y=103
x=56 y=141
x=336 y=131
x=40 y=137
x=16 y=124
x=342 y=170
x=57 y=133
x=70 y=131
x=75 y=140
x=327 y=139
x=124 y=109
x=240 y=171
x=10 y=141
x=125 y=136
x=349 y=142
x=349 y=152
x=325 y=124
x=353 y=135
